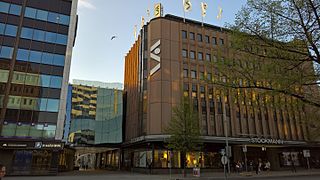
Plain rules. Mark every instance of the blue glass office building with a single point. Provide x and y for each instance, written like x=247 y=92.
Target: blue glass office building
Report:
x=36 y=41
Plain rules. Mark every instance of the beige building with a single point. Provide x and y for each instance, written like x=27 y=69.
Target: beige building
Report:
x=171 y=59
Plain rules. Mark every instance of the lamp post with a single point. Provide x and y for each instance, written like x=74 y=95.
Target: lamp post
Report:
x=225 y=130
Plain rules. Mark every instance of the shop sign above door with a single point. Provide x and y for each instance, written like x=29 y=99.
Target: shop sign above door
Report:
x=265 y=141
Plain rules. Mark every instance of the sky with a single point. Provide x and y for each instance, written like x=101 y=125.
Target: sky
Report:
x=98 y=58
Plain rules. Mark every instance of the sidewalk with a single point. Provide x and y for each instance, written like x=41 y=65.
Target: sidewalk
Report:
x=251 y=175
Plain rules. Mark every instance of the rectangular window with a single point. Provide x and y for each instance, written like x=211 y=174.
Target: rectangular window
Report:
x=53 y=105
x=200 y=56
x=56 y=82
x=4 y=7
x=11 y=30
x=208 y=57
x=192 y=55
x=38 y=35
x=209 y=76
x=53 y=17
x=15 y=9
x=207 y=39
x=42 y=15
x=184 y=35
x=2 y=27
x=184 y=53
x=201 y=75
x=221 y=41
x=193 y=74
x=6 y=52
x=214 y=40
x=26 y=33
x=65 y=20
x=35 y=56
x=185 y=73
x=58 y=60
x=51 y=37
x=199 y=37
x=191 y=35
x=23 y=55
x=30 y=13
x=194 y=88
x=47 y=58
x=62 y=39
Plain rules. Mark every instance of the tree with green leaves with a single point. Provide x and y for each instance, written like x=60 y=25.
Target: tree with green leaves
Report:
x=184 y=130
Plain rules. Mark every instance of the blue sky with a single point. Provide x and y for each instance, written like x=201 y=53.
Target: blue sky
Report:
x=96 y=57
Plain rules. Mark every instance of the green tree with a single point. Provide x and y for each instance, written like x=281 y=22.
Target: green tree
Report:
x=184 y=130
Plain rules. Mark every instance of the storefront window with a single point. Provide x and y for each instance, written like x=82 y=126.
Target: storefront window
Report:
x=194 y=159
x=287 y=158
x=212 y=160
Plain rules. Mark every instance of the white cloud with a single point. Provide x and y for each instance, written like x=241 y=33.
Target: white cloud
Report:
x=86 y=4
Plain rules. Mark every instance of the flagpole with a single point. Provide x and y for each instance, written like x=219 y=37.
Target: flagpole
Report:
x=184 y=15
x=201 y=20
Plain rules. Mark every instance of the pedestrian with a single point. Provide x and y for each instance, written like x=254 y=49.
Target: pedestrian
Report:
x=293 y=167
x=2 y=171
x=267 y=166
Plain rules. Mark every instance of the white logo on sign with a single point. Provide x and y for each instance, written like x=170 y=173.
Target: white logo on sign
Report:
x=154 y=54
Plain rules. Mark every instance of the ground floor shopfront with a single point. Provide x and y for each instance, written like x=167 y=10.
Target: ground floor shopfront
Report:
x=149 y=153
x=33 y=157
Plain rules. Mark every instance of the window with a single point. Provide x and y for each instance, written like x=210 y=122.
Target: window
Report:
x=51 y=37
x=56 y=82
x=15 y=9
x=221 y=41
x=64 y=19
x=10 y=30
x=184 y=34
x=23 y=55
x=4 y=7
x=201 y=75
x=53 y=105
x=207 y=39
x=42 y=15
x=26 y=33
x=185 y=73
x=191 y=34
x=186 y=87
x=194 y=88
x=208 y=57
x=193 y=74
x=45 y=80
x=62 y=39
x=47 y=58
x=209 y=76
x=6 y=52
x=38 y=35
x=184 y=53
x=30 y=13
x=192 y=55
x=214 y=40
x=58 y=60
x=200 y=55
x=2 y=27
x=53 y=17
x=43 y=104
x=215 y=58
x=35 y=56
x=199 y=37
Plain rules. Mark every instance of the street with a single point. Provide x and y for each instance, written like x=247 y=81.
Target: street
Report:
x=110 y=175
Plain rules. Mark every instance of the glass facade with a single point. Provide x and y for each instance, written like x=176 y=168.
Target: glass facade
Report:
x=30 y=91
x=96 y=116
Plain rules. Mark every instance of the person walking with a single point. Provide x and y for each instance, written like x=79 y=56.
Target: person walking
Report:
x=267 y=166
x=293 y=167
x=2 y=171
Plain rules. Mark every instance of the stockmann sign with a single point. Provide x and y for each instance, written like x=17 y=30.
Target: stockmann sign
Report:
x=265 y=141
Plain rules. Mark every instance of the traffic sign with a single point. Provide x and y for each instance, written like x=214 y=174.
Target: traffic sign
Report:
x=224 y=160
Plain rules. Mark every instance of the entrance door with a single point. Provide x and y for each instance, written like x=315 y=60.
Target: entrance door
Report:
x=22 y=162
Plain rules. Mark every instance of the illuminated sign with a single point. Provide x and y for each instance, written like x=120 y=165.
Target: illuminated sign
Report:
x=158 y=10
x=265 y=141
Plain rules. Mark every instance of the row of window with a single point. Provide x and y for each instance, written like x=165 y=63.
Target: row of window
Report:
x=44 y=36
x=192 y=36
x=6 y=52
x=8 y=8
x=47 y=16
x=192 y=55
x=41 y=80
x=31 y=103
x=40 y=57
x=8 y=30
x=193 y=74
x=33 y=130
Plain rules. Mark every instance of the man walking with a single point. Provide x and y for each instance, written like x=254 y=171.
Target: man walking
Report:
x=2 y=171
